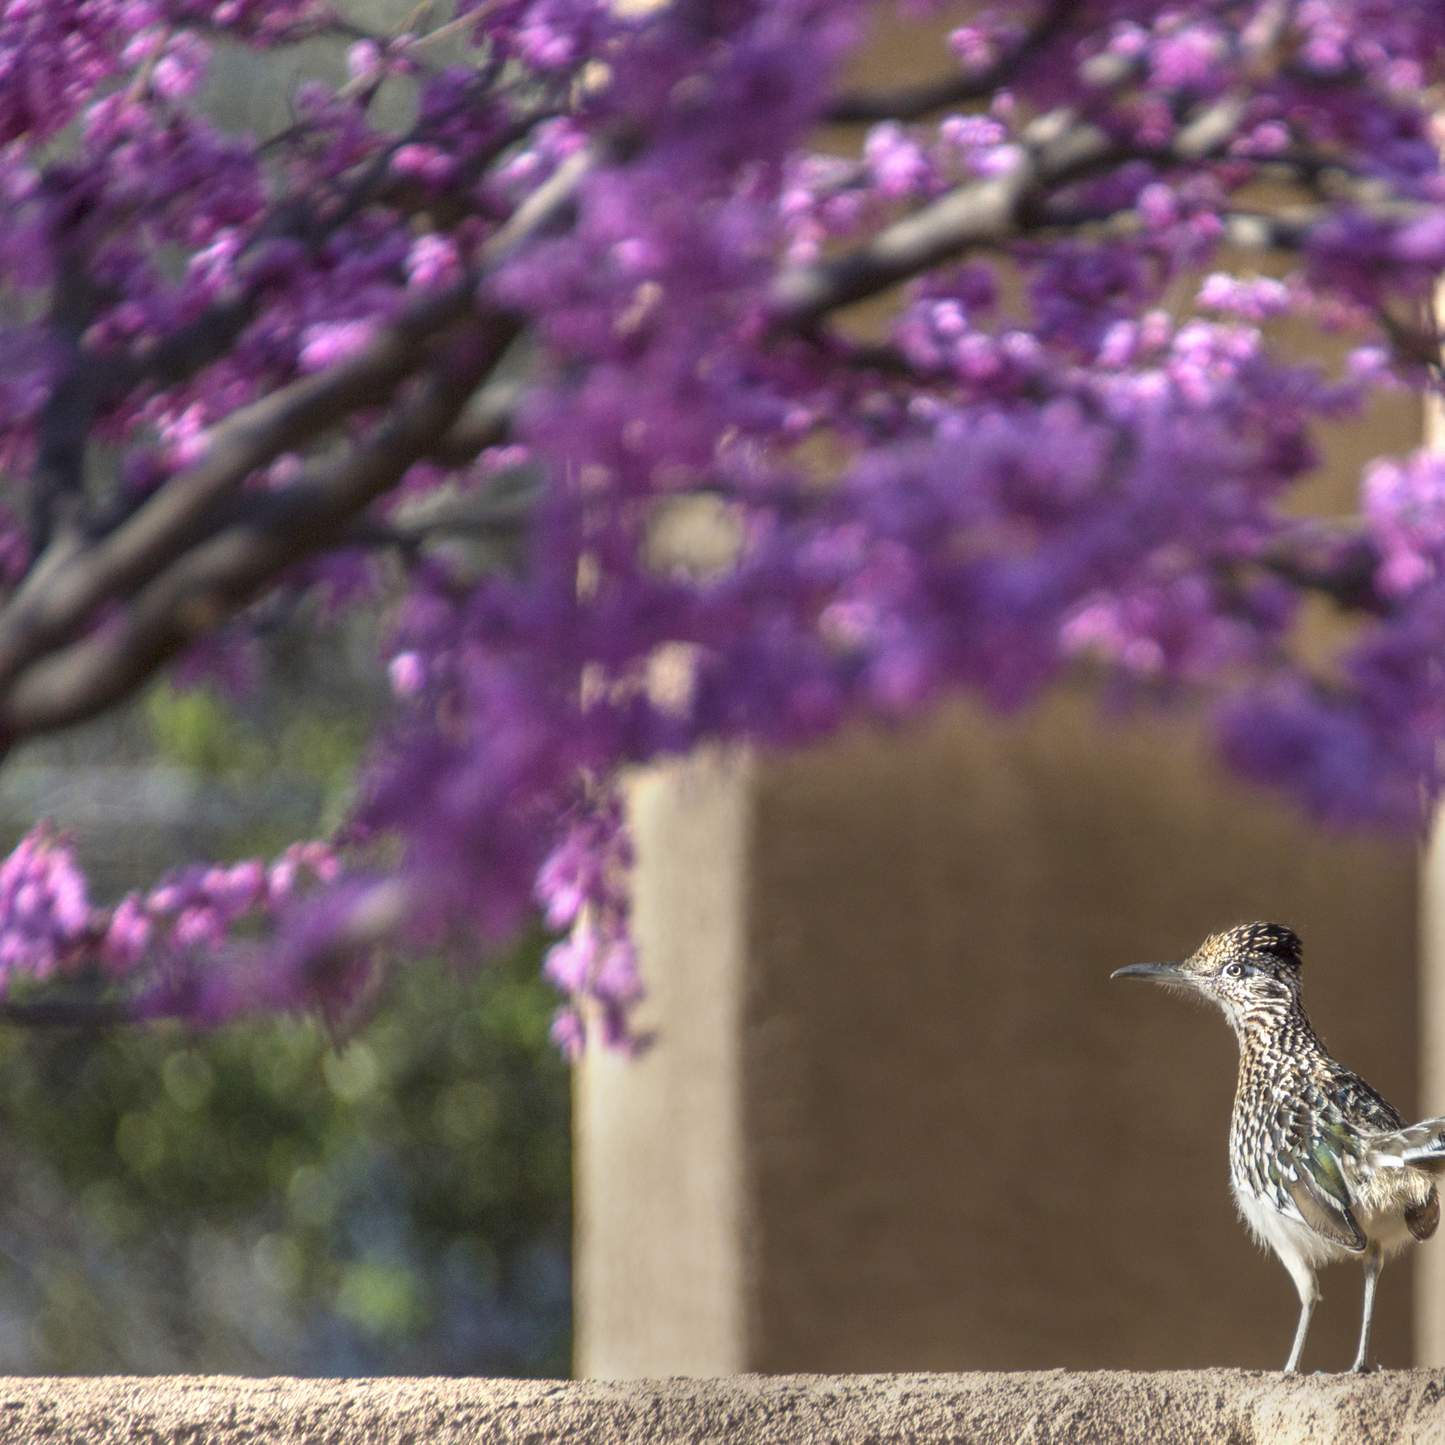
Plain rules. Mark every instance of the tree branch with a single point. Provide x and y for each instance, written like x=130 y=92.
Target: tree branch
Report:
x=178 y=357
x=498 y=512
x=64 y=1013
x=53 y=603
x=1059 y=150
x=982 y=213
x=193 y=552
x=916 y=101
x=486 y=422
x=58 y=481
x=270 y=532
x=1338 y=565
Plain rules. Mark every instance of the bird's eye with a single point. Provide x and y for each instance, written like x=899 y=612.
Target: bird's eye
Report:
x=1234 y=970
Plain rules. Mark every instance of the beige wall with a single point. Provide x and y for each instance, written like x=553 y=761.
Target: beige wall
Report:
x=1195 y=1408
x=974 y=1151
x=946 y=1140
x=1430 y=1267
x=1430 y=1032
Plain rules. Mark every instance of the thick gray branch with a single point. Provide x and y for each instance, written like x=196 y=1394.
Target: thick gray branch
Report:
x=53 y=603
x=201 y=547
x=200 y=588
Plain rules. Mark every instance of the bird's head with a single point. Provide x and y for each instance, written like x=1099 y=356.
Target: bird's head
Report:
x=1245 y=970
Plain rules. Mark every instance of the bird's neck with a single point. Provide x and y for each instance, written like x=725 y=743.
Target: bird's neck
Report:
x=1273 y=1029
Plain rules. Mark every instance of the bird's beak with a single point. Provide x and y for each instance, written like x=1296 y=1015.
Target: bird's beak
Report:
x=1159 y=972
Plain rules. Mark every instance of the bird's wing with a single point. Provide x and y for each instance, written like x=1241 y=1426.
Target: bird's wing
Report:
x=1310 y=1174
x=1350 y=1101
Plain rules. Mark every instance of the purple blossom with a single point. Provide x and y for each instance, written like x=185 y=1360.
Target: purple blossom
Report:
x=1404 y=504
x=433 y=261
x=895 y=160
x=326 y=343
x=408 y=674
x=1058 y=449
x=1252 y=299
x=583 y=886
x=128 y=936
x=185 y=925
x=45 y=913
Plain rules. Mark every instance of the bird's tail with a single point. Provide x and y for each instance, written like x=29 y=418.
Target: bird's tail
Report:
x=1421 y=1146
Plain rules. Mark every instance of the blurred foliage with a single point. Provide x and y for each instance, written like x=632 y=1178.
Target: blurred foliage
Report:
x=197 y=730
x=420 y=1166
x=268 y=1196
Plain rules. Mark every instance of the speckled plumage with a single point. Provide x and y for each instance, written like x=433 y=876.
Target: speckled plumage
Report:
x=1321 y=1166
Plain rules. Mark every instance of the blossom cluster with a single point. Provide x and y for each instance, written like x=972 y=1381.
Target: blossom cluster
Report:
x=45 y=905
x=1070 y=441
x=583 y=887
x=49 y=925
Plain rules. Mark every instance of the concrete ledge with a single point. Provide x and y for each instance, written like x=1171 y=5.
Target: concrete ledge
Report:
x=1230 y=1407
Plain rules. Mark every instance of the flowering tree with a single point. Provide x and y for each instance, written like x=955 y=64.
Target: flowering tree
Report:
x=602 y=274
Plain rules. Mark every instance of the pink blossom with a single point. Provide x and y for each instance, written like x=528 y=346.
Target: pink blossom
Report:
x=45 y=913
x=326 y=343
x=408 y=674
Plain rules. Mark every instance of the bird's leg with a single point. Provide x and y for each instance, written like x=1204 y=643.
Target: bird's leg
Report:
x=1309 y=1295
x=1373 y=1262
x=1306 y=1309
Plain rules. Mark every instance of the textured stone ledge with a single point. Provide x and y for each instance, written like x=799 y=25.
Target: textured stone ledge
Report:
x=1226 y=1406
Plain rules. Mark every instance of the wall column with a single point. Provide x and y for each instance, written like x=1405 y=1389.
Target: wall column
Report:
x=661 y=1253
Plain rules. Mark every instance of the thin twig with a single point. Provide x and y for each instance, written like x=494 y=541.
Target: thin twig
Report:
x=64 y=1013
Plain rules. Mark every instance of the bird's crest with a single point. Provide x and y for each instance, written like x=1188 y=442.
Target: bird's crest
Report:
x=1272 y=939
x=1275 y=938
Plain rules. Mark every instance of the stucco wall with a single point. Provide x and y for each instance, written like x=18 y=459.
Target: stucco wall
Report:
x=899 y=1118
x=1216 y=1407
x=970 y=1149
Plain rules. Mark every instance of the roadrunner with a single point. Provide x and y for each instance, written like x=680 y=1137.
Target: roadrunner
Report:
x=1322 y=1167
